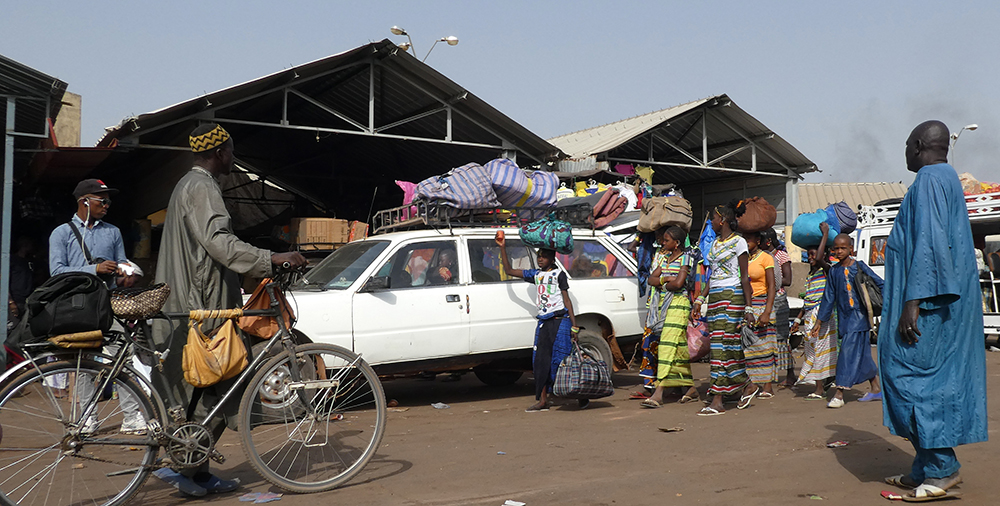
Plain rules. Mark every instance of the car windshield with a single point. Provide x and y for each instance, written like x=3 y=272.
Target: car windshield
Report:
x=342 y=268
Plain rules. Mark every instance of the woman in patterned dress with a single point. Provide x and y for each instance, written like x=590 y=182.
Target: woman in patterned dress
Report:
x=724 y=294
x=673 y=368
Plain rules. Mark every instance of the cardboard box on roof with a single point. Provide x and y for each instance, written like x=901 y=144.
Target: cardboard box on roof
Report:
x=359 y=231
x=319 y=233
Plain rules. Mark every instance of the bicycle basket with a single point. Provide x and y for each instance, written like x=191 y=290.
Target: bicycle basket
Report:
x=139 y=303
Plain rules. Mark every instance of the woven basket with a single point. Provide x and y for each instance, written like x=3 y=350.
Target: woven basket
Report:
x=139 y=303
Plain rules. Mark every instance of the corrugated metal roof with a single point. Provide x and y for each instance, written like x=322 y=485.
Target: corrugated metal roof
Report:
x=814 y=196
x=727 y=127
x=20 y=80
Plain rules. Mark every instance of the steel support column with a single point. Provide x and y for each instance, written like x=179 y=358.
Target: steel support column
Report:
x=8 y=207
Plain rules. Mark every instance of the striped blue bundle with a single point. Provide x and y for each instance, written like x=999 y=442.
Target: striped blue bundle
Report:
x=519 y=188
x=466 y=187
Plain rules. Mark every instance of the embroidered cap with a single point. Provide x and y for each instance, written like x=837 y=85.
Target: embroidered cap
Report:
x=92 y=186
x=210 y=140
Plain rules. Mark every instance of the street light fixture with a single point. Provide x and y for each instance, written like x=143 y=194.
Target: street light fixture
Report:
x=408 y=46
x=451 y=40
x=954 y=138
x=399 y=31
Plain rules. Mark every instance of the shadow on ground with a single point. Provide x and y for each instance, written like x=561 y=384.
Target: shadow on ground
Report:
x=869 y=457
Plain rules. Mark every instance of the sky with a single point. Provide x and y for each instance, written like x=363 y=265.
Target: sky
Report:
x=844 y=82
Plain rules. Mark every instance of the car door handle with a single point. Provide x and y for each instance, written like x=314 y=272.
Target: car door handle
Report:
x=452 y=298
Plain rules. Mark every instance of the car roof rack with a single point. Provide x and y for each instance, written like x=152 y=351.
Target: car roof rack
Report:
x=422 y=214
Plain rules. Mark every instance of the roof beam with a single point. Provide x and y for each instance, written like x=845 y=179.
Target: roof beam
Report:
x=690 y=166
x=756 y=146
x=326 y=109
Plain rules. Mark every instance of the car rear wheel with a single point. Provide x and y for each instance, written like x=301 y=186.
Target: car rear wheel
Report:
x=595 y=345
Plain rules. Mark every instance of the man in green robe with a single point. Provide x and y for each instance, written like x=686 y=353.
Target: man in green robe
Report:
x=201 y=259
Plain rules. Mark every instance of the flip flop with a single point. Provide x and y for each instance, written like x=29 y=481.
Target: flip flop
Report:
x=687 y=398
x=871 y=397
x=745 y=400
x=710 y=411
x=639 y=395
x=650 y=403
x=924 y=493
x=765 y=395
x=815 y=397
x=901 y=481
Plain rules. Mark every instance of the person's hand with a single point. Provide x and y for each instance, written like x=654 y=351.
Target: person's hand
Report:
x=293 y=258
x=695 y=311
x=445 y=273
x=908 y=322
x=107 y=267
x=824 y=227
x=574 y=333
x=763 y=320
x=748 y=318
x=500 y=239
x=815 y=331
x=794 y=328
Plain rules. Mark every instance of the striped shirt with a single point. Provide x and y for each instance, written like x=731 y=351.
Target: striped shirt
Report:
x=814 y=290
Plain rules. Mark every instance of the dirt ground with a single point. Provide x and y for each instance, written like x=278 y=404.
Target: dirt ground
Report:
x=485 y=449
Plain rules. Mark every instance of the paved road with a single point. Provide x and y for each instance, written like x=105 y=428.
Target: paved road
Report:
x=612 y=453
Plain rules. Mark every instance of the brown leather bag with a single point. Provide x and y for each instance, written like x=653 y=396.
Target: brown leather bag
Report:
x=659 y=212
x=759 y=216
x=265 y=327
x=209 y=360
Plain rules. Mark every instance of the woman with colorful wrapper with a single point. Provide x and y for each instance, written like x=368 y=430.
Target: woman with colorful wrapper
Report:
x=819 y=364
x=761 y=357
x=669 y=279
x=782 y=279
x=724 y=295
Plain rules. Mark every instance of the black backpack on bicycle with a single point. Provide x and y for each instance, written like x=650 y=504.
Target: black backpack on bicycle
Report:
x=66 y=303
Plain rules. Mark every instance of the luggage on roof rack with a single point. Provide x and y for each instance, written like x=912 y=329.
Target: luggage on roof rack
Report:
x=422 y=214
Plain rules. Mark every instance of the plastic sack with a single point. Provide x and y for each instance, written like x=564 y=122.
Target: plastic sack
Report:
x=806 y=232
x=845 y=216
x=698 y=341
x=518 y=188
x=548 y=233
x=760 y=215
x=465 y=187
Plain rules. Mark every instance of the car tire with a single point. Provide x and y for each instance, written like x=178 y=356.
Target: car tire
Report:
x=594 y=344
x=496 y=377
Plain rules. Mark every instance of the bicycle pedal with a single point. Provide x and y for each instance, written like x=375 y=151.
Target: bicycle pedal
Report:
x=217 y=456
x=154 y=428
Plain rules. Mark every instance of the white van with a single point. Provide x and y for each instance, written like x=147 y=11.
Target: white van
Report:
x=875 y=223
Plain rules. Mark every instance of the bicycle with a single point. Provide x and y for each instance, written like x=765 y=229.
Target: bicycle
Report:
x=311 y=416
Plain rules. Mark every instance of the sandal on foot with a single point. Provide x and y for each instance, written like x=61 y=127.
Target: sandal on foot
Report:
x=765 y=395
x=814 y=397
x=687 y=398
x=901 y=481
x=871 y=397
x=925 y=492
x=745 y=400
x=638 y=395
x=650 y=403
x=710 y=411
x=534 y=408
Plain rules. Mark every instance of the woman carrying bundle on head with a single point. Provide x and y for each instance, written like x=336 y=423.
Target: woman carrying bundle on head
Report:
x=669 y=276
x=782 y=279
x=724 y=295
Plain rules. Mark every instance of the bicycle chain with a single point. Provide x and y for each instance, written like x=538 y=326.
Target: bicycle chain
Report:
x=162 y=441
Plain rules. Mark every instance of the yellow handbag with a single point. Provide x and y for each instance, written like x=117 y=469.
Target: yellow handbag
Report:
x=209 y=360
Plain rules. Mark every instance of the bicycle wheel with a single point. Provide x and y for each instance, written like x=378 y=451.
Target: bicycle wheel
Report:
x=50 y=454
x=318 y=433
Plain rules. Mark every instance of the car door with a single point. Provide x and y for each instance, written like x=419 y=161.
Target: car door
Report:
x=422 y=314
x=600 y=277
x=501 y=308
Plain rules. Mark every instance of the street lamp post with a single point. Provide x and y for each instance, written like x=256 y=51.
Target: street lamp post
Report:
x=954 y=139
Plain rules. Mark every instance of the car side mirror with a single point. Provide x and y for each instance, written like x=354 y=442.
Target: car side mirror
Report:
x=375 y=283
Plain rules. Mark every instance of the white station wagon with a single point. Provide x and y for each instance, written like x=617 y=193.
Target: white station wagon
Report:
x=382 y=298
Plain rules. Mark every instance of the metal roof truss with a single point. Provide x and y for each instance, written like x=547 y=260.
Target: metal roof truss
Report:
x=701 y=160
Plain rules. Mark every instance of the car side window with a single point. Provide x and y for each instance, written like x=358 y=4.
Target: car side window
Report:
x=422 y=264
x=590 y=259
x=484 y=257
